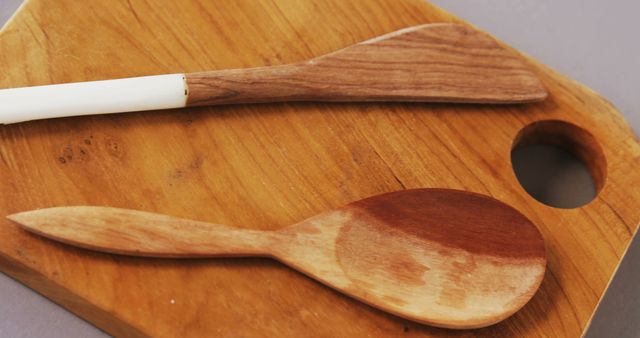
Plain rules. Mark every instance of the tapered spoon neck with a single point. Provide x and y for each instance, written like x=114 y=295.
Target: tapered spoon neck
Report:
x=138 y=233
x=224 y=241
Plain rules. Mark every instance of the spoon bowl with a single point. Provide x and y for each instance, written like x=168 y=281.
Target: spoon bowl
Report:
x=441 y=257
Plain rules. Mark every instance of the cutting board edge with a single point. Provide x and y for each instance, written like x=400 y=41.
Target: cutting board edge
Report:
x=48 y=288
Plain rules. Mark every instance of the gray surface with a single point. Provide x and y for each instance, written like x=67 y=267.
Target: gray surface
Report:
x=592 y=41
x=23 y=313
x=7 y=7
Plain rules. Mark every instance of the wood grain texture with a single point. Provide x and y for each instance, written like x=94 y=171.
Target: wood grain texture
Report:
x=425 y=63
x=268 y=166
x=447 y=258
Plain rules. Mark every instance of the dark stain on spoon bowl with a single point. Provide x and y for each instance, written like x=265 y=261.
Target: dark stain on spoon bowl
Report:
x=456 y=219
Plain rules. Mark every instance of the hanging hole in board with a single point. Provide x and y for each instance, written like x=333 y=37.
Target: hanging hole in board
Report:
x=558 y=163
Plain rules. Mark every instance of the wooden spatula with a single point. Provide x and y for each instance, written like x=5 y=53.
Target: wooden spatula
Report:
x=434 y=62
x=442 y=257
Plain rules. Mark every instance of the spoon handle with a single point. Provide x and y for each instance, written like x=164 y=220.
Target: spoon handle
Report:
x=138 y=233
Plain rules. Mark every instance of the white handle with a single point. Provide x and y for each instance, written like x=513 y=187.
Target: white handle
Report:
x=96 y=97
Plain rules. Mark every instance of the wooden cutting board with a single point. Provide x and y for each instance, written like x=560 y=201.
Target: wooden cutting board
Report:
x=268 y=166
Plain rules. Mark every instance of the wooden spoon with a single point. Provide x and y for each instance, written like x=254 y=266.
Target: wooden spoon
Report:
x=434 y=62
x=442 y=257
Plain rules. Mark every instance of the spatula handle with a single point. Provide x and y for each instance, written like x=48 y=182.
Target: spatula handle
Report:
x=426 y=63
x=138 y=233
x=250 y=85
x=95 y=97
